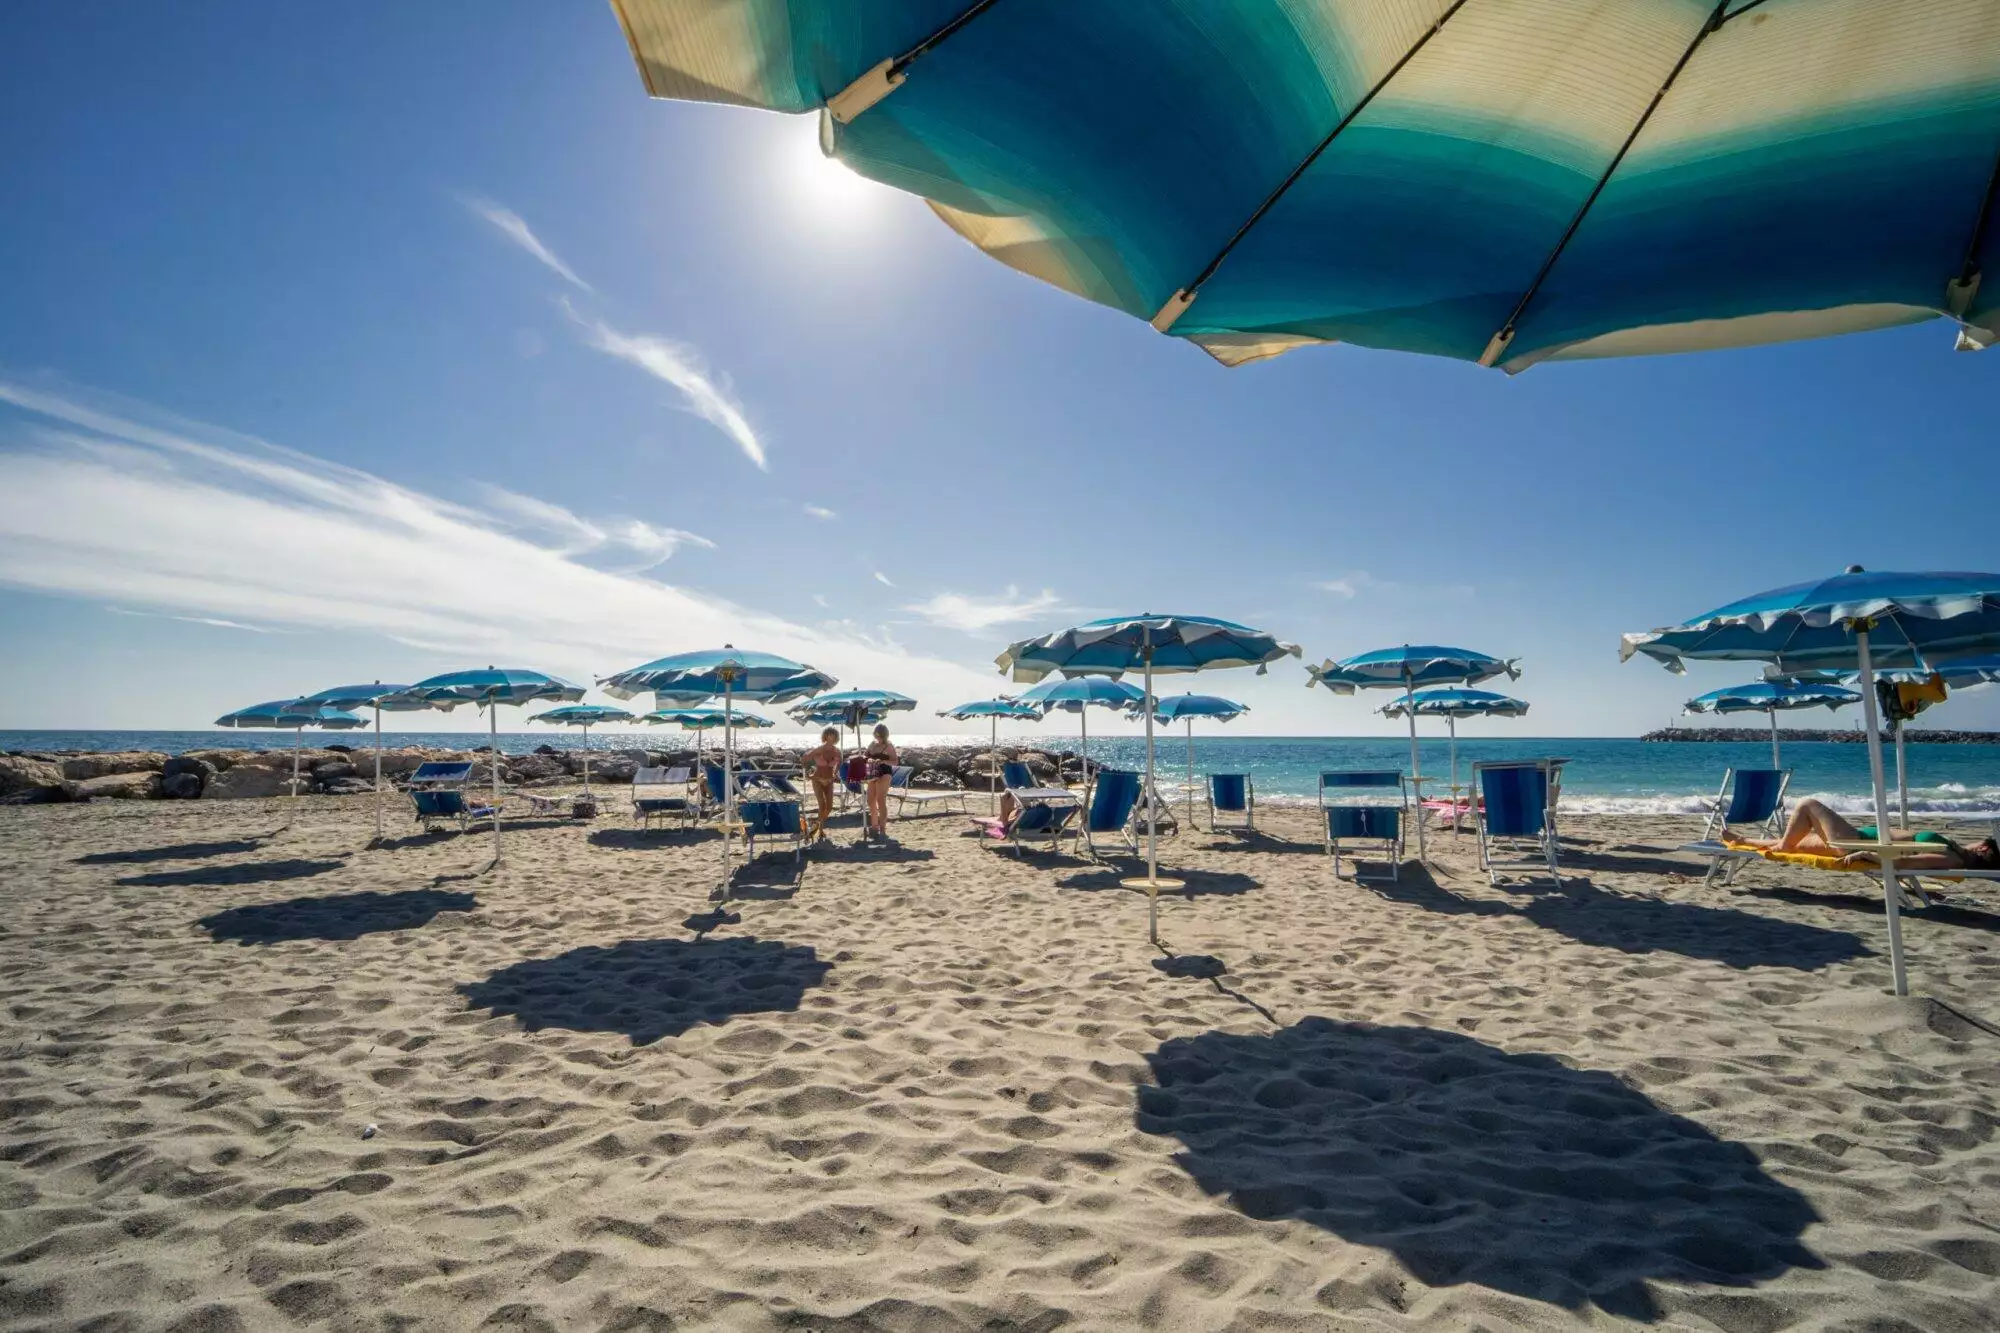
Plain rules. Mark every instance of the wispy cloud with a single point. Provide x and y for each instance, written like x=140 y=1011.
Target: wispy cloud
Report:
x=1361 y=583
x=215 y=621
x=884 y=579
x=819 y=600
x=962 y=611
x=575 y=535
x=817 y=512
x=510 y=224
x=1343 y=587
x=118 y=503
x=707 y=394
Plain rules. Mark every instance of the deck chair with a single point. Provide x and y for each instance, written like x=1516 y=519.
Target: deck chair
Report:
x=1232 y=794
x=1113 y=804
x=1514 y=811
x=771 y=819
x=663 y=793
x=1909 y=882
x=438 y=791
x=1367 y=804
x=1043 y=819
x=899 y=787
x=1016 y=775
x=1747 y=796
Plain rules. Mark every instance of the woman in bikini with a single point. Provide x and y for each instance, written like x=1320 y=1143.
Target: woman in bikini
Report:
x=822 y=765
x=882 y=761
x=1815 y=827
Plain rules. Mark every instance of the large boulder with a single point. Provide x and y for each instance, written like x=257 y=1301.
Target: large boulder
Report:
x=615 y=768
x=183 y=786
x=219 y=760
x=28 y=781
x=82 y=767
x=333 y=772
x=536 y=768
x=141 y=786
x=398 y=763
x=186 y=764
x=248 y=781
x=348 y=787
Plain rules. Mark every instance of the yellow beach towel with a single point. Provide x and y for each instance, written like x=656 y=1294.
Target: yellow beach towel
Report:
x=1811 y=860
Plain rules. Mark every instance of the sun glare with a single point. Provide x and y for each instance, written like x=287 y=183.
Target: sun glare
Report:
x=830 y=195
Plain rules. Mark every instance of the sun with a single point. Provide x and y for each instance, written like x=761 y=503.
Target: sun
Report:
x=827 y=189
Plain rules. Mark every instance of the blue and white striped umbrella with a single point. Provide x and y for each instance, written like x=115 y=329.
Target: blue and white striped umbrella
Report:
x=1154 y=645
x=1495 y=182
x=376 y=697
x=1186 y=708
x=489 y=687
x=850 y=708
x=585 y=716
x=993 y=710
x=1080 y=694
x=293 y=715
x=1772 y=697
x=1405 y=669
x=1857 y=620
x=1451 y=705
x=705 y=719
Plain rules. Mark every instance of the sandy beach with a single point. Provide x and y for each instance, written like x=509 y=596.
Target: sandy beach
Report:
x=929 y=1086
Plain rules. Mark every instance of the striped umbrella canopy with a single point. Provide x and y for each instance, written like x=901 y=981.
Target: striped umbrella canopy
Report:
x=585 y=716
x=1406 y=668
x=487 y=688
x=377 y=697
x=1857 y=620
x=1155 y=645
x=850 y=708
x=730 y=673
x=699 y=720
x=1186 y=708
x=1502 y=183
x=1079 y=694
x=993 y=710
x=1772 y=697
x=293 y=715
x=1451 y=705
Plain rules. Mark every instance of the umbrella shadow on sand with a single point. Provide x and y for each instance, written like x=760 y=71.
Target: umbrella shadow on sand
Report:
x=183 y=851
x=346 y=916
x=253 y=872
x=1195 y=883
x=649 y=989
x=1471 y=1164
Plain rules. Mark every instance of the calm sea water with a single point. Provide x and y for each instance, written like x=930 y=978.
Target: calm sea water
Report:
x=1604 y=776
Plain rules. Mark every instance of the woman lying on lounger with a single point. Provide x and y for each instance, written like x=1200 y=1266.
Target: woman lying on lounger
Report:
x=1814 y=828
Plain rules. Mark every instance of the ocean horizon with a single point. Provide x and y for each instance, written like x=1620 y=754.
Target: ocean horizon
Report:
x=1606 y=775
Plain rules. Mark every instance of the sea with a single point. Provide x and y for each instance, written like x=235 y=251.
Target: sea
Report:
x=1604 y=776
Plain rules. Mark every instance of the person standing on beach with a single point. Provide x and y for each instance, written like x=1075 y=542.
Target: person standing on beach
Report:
x=822 y=765
x=882 y=761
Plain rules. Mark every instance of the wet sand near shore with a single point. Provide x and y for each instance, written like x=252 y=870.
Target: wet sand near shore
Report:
x=930 y=1086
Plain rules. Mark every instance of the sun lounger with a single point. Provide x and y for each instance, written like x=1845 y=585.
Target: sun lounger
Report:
x=1366 y=805
x=1738 y=854
x=663 y=794
x=1112 y=806
x=899 y=787
x=437 y=790
x=1516 y=813
x=1747 y=796
x=1232 y=794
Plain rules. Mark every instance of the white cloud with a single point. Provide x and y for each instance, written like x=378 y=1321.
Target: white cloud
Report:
x=131 y=507
x=819 y=599
x=215 y=621
x=962 y=611
x=510 y=225
x=817 y=512
x=576 y=535
x=883 y=579
x=1346 y=587
x=1352 y=585
x=707 y=395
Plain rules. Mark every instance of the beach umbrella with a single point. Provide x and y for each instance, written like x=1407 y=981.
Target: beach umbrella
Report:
x=585 y=716
x=488 y=688
x=850 y=708
x=729 y=673
x=1406 y=668
x=1154 y=645
x=1857 y=620
x=1079 y=696
x=699 y=720
x=1186 y=708
x=993 y=710
x=1772 y=697
x=293 y=715
x=375 y=696
x=1498 y=183
x=1451 y=705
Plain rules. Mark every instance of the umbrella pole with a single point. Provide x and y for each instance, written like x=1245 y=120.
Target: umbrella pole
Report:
x=1083 y=722
x=1152 y=818
x=493 y=758
x=298 y=739
x=728 y=781
x=993 y=761
x=1190 y=774
x=1451 y=727
x=378 y=771
x=1902 y=779
x=1890 y=894
x=1775 y=761
x=1416 y=764
x=586 y=759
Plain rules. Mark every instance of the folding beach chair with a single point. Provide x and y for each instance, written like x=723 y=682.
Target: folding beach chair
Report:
x=1043 y=819
x=1232 y=794
x=1747 y=796
x=1516 y=805
x=771 y=819
x=1113 y=803
x=1368 y=804
x=662 y=793
x=853 y=780
x=437 y=790
x=1908 y=882
x=1014 y=774
x=899 y=787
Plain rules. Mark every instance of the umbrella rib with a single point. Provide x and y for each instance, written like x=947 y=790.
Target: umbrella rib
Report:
x=1178 y=303
x=903 y=61
x=1497 y=345
x=1958 y=294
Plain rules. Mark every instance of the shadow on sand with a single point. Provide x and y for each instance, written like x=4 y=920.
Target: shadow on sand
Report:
x=344 y=916
x=182 y=851
x=649 y=989
x=1946 y=913
x=652 y=839
x=1471 y=1164
x=252 y=872
x=1196 y=883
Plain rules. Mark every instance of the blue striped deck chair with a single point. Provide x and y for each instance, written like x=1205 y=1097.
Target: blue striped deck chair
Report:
x=1232 y=794
x=1112 y=804
x=1366 y=804
x=662 y=793
x=1015 y=774
x=771 y=819
x=1747 y=796
x=1517 y=807
x=1043 y=819
x=437 y=791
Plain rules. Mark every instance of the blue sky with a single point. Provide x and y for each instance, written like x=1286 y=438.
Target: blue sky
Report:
x=366 y=341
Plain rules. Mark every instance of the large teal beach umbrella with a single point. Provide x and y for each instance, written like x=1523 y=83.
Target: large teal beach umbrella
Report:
x=584 y=716
x=1857 y=620
x=1186 y=708
x=488 y=688
x=1451 y=705
x=729 y=673
x=1405 y=669
x=293 y=715
x=1771 y=697
x=1497 y=182
x=993 y=710
x=1079 y=695
x=699 y=720
x=375 y=696
x=1153 y=645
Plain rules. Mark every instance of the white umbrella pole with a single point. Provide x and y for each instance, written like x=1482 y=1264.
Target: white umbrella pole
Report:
x=1416 y=764
x=1152 y=817
x=728 y=780
x=378 y=771
x=1890 y=893
x=493 y=758
x=993 y=760
x=1190 y=773
x=1775 y=761
x=586 y=759
x=298 y=738
x=1451 y=727
x=1902 y=779
x=1083 y=722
